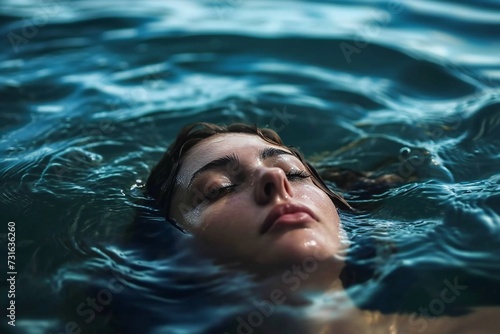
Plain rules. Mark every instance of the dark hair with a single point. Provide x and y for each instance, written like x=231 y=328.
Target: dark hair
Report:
x=161 y=182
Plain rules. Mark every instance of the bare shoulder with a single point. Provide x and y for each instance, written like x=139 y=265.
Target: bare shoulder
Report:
x=479 y=321
x=484 y=320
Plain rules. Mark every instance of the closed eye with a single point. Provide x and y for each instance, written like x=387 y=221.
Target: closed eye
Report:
x=218 y=192
x=296 y=175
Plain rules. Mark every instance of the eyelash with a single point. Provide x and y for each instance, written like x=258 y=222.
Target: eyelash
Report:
x=217 y=193
x=294 y=175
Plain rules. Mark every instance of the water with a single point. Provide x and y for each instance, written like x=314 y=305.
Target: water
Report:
x=93 y=91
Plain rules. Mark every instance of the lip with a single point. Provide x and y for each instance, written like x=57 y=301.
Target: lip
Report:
x=288 y=213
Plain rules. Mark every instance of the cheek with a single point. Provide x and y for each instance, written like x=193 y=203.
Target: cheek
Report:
x=313 y=195
x=226 y=220
x=229 y=225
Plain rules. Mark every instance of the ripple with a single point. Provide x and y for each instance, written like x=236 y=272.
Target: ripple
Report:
x=97 y=91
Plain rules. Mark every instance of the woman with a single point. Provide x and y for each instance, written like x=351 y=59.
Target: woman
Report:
x=240 y=188
x=253 y=203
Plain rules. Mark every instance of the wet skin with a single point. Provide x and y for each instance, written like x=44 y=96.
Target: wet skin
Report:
x=228 y=186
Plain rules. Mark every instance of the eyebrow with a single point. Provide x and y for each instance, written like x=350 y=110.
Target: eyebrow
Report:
x=264 y=154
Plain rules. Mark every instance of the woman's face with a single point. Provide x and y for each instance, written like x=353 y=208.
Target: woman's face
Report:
x=249 y=201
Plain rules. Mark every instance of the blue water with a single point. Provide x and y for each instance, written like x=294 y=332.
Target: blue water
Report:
x=92 y=92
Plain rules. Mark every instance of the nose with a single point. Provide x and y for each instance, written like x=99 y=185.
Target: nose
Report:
x=272 y=184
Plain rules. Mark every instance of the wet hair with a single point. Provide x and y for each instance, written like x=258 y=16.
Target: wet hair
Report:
x=161 y=184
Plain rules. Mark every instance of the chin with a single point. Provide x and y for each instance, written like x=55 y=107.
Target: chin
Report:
x=297 y=247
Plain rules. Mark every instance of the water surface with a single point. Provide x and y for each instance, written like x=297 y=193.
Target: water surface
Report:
x=92 y=92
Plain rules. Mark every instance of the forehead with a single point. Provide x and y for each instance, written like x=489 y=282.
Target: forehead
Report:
x=242 y=144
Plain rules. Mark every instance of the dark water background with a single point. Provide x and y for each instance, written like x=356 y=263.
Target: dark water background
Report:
x=92 y=92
